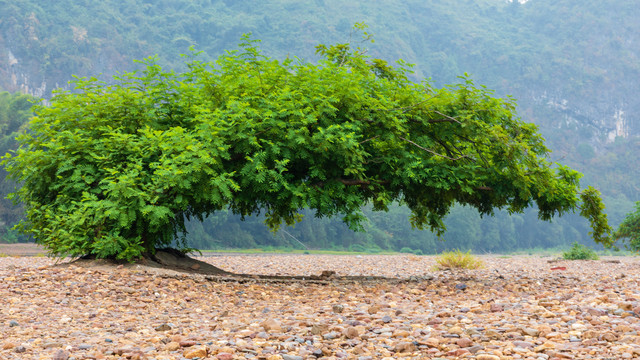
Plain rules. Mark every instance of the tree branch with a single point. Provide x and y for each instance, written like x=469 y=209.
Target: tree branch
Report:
x=369 y=139
x=433 y=152
x=353 y=182
x=447 y=118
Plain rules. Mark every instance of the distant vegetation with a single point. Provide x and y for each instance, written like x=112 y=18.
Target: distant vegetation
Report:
x=571 y=64
x=15 y=110
x=580 y=252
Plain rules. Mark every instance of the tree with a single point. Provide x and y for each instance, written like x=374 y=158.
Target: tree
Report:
x=15 y=111
x=629 y=229
x=114 y=170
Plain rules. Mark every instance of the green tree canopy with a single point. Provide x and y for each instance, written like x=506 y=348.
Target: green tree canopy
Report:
x=629 y=229
x=114 y=170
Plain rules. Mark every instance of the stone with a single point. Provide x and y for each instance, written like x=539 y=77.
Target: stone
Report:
x=386 y=319
x=187 y=343
x=596 y=312
x=271 y=325
x=224 y=356
x=51 y=344
x=487 y=357
x=330 y=336
x=548 y=345
x=60 y=355
x=319 y=329
x=400 y=334
x=609 y=337
x=458 y=352
x=291 y=357
x=523 y=344
x=195 y=352
x=432 y=342
x=464 y=342
x=172 y=346
x=404 y=347
x=19 y=349
x=530 y=332
x=337 y=308
x=374 y=309
x=351 y=332
x=163 y=327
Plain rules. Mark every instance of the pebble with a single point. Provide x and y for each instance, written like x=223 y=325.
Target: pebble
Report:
x=291 y=357
x=224 y=356
x=60 y=355
x=199 y=352
x=163 y=327
x=271 y=325
x=133 y=312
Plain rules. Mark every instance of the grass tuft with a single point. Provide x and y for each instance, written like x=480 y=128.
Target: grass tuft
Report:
x=580 y=252
x=458 y=260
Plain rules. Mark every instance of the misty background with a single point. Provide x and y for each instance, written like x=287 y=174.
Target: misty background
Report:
x=572 y=65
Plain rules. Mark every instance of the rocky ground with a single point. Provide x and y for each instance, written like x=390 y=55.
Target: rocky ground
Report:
x=514 y=308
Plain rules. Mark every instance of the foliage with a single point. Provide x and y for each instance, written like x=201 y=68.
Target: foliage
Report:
x=15 y=111
x=115 y=170
x=629 y=230
x=406 y=250
x=580 y=252
x=458 y=260
x=571 y=64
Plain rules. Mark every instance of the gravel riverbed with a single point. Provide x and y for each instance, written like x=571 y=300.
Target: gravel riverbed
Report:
x=518 y=307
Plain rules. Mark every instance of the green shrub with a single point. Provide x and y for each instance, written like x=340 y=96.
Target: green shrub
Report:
x=580 y=252
x=458 y=260
x=406 y=250
x=417 y=252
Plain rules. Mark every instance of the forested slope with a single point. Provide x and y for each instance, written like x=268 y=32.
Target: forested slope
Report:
x=572 y=65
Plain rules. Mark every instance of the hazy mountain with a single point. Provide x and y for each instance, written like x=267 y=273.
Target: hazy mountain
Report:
x=573 y=65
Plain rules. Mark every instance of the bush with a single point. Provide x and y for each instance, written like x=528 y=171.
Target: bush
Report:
x=417 y=252
x=580 y=252
x=630 y=230
x=458 y=260
x=406 y=250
